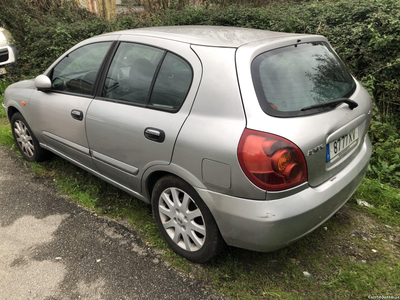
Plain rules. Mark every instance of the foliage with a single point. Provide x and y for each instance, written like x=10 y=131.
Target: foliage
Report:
x=159 y=5
x=6 y=137
x=3 y=86
x=385 y=160
x=45 y=29
x=385 y=200
x=366 y=33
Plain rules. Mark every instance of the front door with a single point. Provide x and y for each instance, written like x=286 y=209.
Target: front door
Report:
x=61 y=112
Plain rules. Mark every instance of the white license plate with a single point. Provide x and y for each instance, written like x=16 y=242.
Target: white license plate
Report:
x=339 y=146
x=3 y=71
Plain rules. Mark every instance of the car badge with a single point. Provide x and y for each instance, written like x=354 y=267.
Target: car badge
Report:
x=315 y=150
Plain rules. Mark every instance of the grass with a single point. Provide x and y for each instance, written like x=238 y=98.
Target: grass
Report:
x=6 y=137
x=353 y=255
x=384 y=198
x=99 y=196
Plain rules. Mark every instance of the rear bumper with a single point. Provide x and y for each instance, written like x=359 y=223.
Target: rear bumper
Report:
x=270 y=225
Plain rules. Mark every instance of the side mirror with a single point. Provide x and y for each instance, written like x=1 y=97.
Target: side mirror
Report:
x=43 y=83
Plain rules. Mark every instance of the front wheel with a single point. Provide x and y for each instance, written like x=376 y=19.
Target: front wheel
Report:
x=185 y=222
x=27 y=143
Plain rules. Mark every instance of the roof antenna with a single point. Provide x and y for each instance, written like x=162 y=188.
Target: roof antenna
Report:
x=140 y=21
x=137 y=24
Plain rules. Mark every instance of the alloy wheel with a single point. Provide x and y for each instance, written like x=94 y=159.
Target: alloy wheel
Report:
x=24 y=138
x=182 y=219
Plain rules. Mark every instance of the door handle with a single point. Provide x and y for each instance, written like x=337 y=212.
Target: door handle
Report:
x=154 y=134
x=77 y=114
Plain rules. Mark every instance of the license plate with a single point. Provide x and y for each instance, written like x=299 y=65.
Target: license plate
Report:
x=3 y=71
x=336 y=148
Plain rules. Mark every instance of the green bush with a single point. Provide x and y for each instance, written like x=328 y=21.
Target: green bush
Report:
x=3 y=86
x=44 y=31
x=385 y=160
x=365 y=33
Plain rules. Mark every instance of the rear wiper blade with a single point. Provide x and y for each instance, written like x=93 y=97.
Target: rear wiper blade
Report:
x=352 y=104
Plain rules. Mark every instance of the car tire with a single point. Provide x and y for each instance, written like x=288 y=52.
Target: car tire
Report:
x=184 y=220
x=26 y=141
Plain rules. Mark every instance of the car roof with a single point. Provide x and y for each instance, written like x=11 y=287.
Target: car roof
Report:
x=217 y=36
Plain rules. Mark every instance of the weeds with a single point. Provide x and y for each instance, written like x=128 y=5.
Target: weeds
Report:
x=6 y=137
x=385 y=160
x=384 y=198
x=3 y=86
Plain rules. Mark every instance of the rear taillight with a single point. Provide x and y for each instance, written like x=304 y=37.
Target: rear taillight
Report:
x=271 y=162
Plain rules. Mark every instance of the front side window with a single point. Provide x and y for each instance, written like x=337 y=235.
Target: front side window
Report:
x=77 y=72
x=298 y=76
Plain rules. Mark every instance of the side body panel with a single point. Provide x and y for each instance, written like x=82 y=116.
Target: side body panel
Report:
x=208 y=141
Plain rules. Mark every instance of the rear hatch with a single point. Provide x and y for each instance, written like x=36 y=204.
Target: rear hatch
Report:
x=299 y=89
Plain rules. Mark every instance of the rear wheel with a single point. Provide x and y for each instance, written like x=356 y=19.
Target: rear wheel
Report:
x=27 y=143
x=185 y=222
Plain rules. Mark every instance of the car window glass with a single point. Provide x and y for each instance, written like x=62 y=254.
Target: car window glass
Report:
x=294 y=77
x=77 y=72
x=131 y=73
x=172 y=84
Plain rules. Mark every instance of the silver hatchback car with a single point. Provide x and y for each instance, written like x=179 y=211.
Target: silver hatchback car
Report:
x=235 y=136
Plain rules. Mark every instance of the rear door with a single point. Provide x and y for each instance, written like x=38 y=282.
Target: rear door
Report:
x=147 y=95
x=289 y=82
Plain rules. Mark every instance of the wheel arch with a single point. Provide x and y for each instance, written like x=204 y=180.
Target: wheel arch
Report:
x=152 y=180
x=12 y=110
x=211 y=243
x=155 y=173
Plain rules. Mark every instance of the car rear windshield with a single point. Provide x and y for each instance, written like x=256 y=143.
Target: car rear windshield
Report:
x=298 y=76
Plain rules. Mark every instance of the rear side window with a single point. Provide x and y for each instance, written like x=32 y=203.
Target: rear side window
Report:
x=172 y=84
x=132 y=72
x=147 y=76
x=297 y=76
